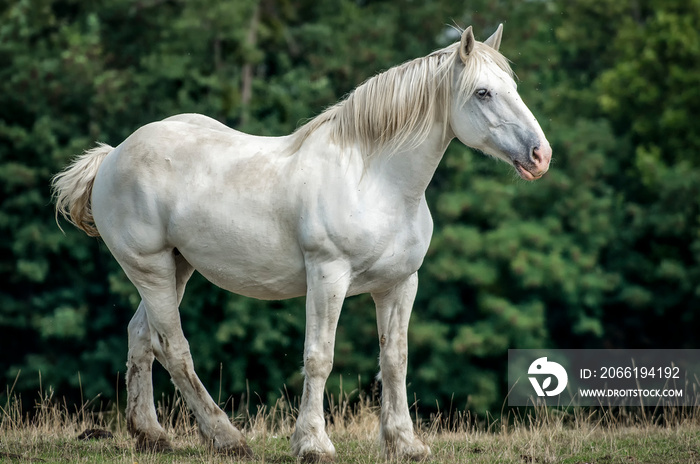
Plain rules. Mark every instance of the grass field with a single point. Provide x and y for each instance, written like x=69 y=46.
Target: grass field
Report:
x=48 y=431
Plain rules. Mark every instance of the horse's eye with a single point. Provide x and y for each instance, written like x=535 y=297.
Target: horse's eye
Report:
x=483 y=93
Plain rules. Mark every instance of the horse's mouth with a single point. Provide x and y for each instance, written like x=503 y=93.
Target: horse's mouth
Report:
x=524 y=173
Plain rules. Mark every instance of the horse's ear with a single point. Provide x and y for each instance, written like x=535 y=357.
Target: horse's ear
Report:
x=467 y=44
x=495 y=40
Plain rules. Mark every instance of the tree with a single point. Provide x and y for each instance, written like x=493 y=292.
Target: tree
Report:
x=602 y=252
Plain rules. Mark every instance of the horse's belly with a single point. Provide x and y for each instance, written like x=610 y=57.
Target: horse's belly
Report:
x=240 y=245
x=267 y=275
x=280 y=289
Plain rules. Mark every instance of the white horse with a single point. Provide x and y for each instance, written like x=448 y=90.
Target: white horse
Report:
x=335 y=209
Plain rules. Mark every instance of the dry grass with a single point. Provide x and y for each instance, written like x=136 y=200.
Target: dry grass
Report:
x=47 y=431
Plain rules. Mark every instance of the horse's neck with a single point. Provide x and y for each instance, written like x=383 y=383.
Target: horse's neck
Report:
x=411 y=170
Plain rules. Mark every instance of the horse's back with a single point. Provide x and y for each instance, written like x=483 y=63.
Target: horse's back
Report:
x=201 y=120
x=189 y=151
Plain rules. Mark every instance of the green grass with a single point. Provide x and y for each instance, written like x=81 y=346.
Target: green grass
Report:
x=48 y=433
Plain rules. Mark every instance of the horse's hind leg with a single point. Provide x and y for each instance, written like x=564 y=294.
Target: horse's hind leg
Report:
x=141 y=418
x=155 y=276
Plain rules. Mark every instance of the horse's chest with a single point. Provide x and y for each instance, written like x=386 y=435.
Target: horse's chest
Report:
x=395 y=255
x=395 y=265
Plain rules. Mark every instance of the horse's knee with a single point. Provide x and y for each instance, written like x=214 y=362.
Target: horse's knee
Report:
x=318 y=363
x=393 y=361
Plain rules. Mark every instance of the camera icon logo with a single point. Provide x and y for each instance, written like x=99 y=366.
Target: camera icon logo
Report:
x=550 y=368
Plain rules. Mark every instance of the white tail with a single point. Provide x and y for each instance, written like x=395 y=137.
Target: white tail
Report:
x=72 y=189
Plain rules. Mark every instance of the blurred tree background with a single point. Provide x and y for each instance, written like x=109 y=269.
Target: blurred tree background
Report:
x=604 y=251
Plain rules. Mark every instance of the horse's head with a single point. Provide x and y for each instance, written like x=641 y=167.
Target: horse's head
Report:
x=488 y=114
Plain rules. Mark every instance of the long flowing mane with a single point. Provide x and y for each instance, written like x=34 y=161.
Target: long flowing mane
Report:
x=396 y=109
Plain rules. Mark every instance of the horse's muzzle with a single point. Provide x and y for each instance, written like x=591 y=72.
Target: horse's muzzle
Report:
x=537 y=164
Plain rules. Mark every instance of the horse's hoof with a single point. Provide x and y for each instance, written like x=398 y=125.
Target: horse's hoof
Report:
x=153 y=445
x=95 y=434
x=241 y=451
x=316 y=457
x=409 y=457
x=416 y=452
x=418 y=457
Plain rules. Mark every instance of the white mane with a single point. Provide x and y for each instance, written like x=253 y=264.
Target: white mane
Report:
x=396 y=109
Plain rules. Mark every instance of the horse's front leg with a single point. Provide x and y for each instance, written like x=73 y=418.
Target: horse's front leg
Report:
x=327 y=286
x=393 y=313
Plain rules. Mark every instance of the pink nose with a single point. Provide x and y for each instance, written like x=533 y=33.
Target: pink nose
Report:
x=541 y=156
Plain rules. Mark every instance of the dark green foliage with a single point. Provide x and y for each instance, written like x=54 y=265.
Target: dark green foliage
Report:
x=602 y=252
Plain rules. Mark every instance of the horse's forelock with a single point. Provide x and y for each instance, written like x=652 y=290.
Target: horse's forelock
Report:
x=482 y=55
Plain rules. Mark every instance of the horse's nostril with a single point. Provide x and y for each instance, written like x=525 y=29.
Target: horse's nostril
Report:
x=536 y=155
